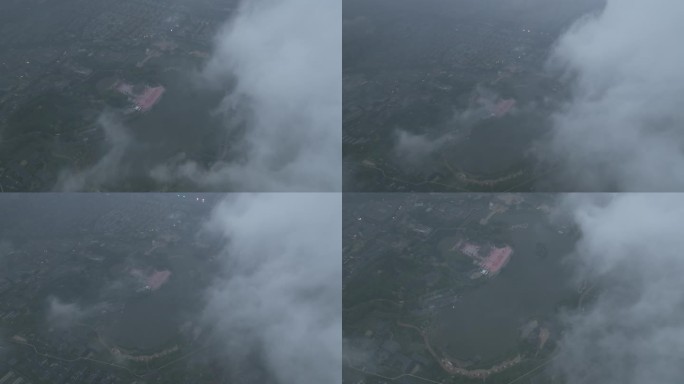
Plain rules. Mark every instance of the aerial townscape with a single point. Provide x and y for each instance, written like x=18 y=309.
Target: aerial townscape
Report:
x=453 y=97
x=70 y=67
x=108 y=293
x=341 y=192
x=447 y=287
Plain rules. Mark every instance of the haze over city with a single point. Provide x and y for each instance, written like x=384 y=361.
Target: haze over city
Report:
x=176 y=95
x=165 y=288
x=524 y=95
x=341 y=192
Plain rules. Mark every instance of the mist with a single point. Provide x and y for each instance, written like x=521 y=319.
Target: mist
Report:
x=633 y=330
x=277 y=310
x=414 y=149
x=285 y=56
x=62 y=314
x=109 y=169
x=621 y=130
x=264 y=112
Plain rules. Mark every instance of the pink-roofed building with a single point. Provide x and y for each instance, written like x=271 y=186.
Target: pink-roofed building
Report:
x=157 y=279
x=497 y=259
x=154 y=280
x=503 y=107
x=144 y=100
x=149 y=97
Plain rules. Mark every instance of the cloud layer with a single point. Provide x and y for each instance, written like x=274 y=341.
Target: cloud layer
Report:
x=631 y=247
x=286 y=58
x=64 y=315
x=109 y=169
x=281 y=62
x=622 y=129
x=281 y=297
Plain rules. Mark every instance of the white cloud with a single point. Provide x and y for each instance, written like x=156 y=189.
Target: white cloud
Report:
x=287 y=60
x=631 y=247
x=64 y=315
x=281 y=299
x=109 y=169
x=622 y=128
